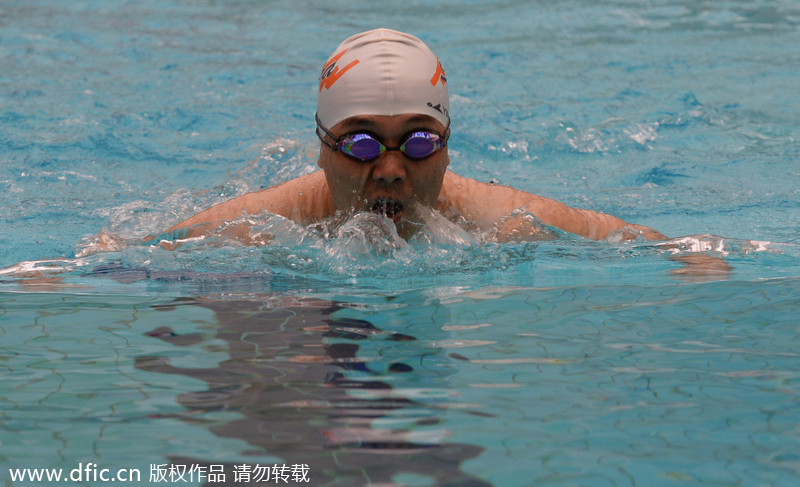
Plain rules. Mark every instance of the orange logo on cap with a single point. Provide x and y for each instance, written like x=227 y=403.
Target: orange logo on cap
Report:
x=331 y=72
x=439 y=75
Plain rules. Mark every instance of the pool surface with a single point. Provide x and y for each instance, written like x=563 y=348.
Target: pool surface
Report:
x=343 y=355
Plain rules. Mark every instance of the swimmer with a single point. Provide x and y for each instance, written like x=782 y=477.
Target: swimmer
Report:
x=383 y=121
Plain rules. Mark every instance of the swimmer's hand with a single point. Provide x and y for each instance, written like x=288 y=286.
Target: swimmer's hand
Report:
x=701 y=268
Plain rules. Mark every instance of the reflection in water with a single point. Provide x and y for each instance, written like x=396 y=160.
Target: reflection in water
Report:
x=304 y=395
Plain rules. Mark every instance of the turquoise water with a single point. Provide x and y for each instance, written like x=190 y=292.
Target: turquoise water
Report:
x=447 y=360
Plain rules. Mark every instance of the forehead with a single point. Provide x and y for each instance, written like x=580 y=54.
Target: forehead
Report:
x=388 y=123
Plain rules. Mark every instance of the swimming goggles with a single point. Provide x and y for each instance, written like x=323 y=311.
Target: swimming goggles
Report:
x=364 y=147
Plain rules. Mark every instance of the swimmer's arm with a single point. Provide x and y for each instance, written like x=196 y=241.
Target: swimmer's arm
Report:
x=303 y=200
x=586 y=223
x=492 y=205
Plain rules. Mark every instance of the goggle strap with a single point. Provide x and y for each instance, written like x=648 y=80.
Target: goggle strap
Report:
x=322 y=137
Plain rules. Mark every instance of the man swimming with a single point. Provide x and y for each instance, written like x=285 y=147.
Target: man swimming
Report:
x=383 y=120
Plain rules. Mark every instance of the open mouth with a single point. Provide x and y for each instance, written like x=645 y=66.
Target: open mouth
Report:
x=393 y=209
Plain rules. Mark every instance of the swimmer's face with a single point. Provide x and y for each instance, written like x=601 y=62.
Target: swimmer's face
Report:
x=393 y=183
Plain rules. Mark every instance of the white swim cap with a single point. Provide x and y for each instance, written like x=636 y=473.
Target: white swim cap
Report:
x=382 y=72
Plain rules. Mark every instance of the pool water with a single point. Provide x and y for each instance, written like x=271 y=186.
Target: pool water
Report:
x=450 y=359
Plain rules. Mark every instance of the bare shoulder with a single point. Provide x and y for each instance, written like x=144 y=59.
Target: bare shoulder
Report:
x=484 y=203
x=304 y=199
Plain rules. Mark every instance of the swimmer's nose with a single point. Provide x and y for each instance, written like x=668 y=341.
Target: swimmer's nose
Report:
x=389 y=168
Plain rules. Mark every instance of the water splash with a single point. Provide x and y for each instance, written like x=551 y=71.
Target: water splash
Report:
x=365 y=249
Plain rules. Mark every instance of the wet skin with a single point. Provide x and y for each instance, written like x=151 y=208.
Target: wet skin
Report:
x=392 y=184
